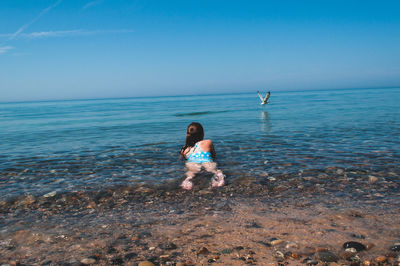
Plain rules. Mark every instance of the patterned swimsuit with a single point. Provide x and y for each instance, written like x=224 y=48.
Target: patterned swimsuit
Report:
x=200 y=156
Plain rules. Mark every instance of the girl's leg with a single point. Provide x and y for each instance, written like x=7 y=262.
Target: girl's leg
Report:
x=191 y=170
x=218 y=180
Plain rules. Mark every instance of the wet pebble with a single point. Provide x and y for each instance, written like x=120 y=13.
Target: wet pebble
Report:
x=50 y=194
x=327 y=256
x=381 y=259
x=88 y=261
x=395 y=247
x=226 y=251
x=276 y=242
x=339 y=171
x=359 y=236
x=310 y=262
x=164 y=257
x=352 y=244
x=203 y=251
x=291 y=245
x=168 y=246
x=367 y=263
x=145 y=263
x=351 y=250
x=372 y=179
x=279 y=256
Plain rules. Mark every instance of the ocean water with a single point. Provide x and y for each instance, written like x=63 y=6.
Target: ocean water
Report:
x=84 y=145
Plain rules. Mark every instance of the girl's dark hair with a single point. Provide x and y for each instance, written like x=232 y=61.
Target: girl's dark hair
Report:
x=194 y=134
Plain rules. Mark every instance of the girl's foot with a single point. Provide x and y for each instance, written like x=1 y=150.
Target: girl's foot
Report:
x=187 y=184
x=218 y=180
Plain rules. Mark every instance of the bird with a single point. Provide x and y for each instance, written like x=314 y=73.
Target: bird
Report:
x=264 y=100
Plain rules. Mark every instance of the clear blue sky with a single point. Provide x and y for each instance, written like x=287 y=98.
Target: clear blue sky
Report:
x=57 y=49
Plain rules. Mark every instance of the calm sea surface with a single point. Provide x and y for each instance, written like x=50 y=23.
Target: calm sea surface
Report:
x=65 y=146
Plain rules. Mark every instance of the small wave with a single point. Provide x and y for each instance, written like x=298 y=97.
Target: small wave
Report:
x=200 y=113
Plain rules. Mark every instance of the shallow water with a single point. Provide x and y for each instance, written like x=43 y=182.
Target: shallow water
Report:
x=92 y=145
x=98 y=180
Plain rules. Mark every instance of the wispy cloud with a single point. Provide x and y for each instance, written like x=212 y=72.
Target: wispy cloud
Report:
x=66 y=33
x=91 y=4
x=4 y=49
x=25 y=26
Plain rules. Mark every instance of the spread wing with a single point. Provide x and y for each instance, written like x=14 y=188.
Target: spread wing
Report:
x=259 y=95
x=267 y=97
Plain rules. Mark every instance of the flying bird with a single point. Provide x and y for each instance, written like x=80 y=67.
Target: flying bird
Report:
x=264 y=100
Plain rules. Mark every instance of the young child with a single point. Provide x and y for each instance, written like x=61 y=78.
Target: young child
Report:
x=199 y=154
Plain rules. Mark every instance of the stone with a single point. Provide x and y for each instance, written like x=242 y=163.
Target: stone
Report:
x=88 y=261
x=380 y=259
x=395 y=247
x=164 y=257
x=327 y=256
x=226 y=251
x=276 y=242
x=321 y=249
x=372 y=179
x=168 y=246
x=279 y=256
x=291 y=245
x=352 y=244
x=180 y=264
x=351 y=250
x=295 y=256
x=203 y=251
x=50 y=194
x=145 y=263
x=339 y=171
x=310 y=262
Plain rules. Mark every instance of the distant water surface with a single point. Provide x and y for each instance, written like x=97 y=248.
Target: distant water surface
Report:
x=65 y=146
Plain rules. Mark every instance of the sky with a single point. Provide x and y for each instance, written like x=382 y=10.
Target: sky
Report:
x=75 y=49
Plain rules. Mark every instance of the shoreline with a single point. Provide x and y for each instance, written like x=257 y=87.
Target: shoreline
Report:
x=245 y=222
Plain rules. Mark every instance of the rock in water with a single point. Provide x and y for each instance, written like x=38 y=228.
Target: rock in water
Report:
x=352 y=244
x=372 y=179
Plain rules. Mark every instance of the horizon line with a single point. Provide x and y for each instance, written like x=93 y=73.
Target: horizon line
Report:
x=186 y=95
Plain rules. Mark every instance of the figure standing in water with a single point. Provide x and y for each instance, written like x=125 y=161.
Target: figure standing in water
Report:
x=199 y=154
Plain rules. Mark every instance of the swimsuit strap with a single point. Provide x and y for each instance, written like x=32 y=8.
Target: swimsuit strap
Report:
x=197 y=147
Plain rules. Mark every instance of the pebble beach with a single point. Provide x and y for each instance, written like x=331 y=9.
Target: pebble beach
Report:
x=291 y=220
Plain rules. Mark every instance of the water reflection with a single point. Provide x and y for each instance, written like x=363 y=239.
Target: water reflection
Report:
x=265 y=122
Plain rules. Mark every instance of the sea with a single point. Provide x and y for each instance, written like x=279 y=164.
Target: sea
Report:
x=55 y=147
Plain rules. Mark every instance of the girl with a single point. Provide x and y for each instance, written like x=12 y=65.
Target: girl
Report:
x=199 y=154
